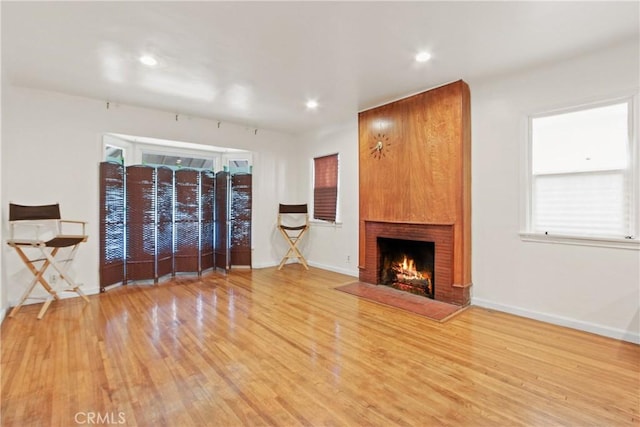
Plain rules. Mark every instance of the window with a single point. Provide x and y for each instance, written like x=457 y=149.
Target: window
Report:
x=582 y=173
x=239 y=166
x=134 y=150
x=177 y=161
x=114 y=154
x=325 y=187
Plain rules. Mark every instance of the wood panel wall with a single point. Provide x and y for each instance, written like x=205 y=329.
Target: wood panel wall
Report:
x=423 y=174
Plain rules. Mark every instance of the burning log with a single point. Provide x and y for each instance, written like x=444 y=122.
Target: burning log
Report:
x=408 y=278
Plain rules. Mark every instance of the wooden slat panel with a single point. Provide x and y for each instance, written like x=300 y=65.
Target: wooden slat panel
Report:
x=221 y=225
x=207 y=201
x=187 y=221
x=241 y=202
x=164 y=217
x=112 y=218
x=141 y=222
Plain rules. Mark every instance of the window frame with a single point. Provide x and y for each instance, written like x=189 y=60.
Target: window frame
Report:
x=632 y=175
x=227 y=158
x=135 y=146
x=108 y=140
x=312 y=218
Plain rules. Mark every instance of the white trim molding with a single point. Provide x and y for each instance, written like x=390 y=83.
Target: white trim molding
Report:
x=321 y=223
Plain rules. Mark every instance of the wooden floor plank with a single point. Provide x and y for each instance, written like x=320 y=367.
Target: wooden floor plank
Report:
x=283 y=348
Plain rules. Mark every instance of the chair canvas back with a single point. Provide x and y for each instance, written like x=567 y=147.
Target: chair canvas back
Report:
x=293 y=209
x=33 y=213
x=293 y=215
x=47 y=215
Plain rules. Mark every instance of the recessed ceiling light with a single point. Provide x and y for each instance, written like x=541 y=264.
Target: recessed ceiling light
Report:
x=149 y=60
x=312 y=104
x=423 y=57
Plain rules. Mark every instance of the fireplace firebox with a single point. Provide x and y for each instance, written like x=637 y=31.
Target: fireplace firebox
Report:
x=407 y=265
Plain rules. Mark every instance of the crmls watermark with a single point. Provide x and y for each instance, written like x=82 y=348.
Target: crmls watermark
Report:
x=100 y=418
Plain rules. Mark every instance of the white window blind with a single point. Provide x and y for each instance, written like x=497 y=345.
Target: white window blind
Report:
x=581 y=173
x=581 y=204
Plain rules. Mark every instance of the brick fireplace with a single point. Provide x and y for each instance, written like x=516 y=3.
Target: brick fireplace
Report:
x=415 y=184
x=440 y=235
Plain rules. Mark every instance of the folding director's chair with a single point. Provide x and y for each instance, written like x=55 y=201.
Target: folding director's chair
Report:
x=36 y=224
x=293 y=233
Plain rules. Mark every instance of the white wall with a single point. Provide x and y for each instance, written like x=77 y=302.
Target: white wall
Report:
x=52 y=144
x=333 y=247
x=3 y=291
x=590 y=288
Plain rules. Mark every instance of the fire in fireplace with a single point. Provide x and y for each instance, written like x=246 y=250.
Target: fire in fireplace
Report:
x=407 y=265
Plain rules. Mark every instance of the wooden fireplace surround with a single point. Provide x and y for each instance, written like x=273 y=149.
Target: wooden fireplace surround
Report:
x=419 y=184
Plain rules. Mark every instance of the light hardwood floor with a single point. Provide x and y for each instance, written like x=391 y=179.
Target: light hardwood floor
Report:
x=268 y=347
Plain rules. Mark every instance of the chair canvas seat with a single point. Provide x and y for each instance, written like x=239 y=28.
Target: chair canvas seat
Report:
x=293 y=233
x=300 y=227
x=56 y=242
x=36 y=218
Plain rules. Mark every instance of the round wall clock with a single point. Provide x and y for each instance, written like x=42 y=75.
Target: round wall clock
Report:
x=380 y=145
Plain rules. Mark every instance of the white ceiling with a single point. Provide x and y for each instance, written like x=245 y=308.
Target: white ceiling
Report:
x=256 y=63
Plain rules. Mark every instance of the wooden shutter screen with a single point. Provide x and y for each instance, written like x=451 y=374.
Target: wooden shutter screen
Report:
x=221 y=225
x=112 y=230
x=207 y=199
x=141 y=222
x=325 y=187
x=240 y=247
x=187 y=221
x=164 y=219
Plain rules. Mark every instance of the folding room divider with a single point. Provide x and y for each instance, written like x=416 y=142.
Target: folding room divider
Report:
x=155 y=222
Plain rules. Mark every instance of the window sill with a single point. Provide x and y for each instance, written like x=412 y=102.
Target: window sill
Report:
x=320 y=223
x=632 y=244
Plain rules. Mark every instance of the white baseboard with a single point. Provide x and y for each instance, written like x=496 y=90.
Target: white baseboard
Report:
x=348 y=272
x=258 y=265
x=61 y=295
x=3 y=314
x=593 y=328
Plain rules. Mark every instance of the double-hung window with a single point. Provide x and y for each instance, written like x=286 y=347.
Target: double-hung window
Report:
x=583 y=173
